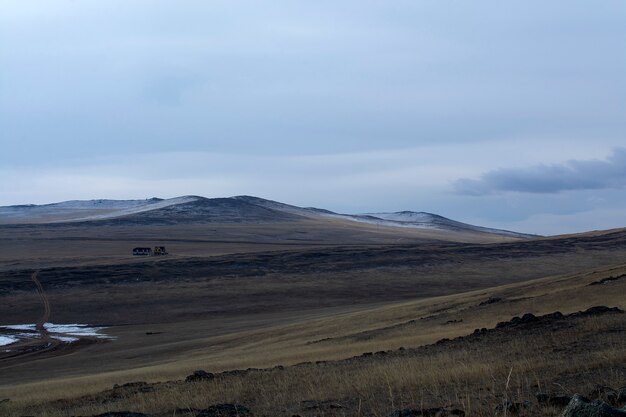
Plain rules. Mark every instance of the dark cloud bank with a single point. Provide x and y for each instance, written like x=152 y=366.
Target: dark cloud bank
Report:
x=549 y=179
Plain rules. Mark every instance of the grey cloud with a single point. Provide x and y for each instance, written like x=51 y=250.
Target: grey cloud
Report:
x=550 y=179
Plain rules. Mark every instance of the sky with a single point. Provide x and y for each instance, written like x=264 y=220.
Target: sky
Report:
x=502 y=114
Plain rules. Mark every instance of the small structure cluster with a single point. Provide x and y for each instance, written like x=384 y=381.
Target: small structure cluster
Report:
x=157 y=251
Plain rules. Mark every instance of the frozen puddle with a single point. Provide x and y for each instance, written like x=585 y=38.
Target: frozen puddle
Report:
x=66 y=333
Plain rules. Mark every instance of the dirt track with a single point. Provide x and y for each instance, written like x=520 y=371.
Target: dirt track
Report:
x=45 y=336
x=43 y=344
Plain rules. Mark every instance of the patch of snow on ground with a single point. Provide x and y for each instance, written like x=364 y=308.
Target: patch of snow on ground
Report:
x=66 y=339
x=76 y=330
x=65 y=332
x=6 y=340
x=32 y=327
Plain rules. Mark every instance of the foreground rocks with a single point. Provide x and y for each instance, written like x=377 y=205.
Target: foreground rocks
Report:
x=579 y=406
x=200 y=375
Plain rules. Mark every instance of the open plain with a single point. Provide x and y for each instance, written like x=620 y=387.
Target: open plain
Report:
x=307 y=315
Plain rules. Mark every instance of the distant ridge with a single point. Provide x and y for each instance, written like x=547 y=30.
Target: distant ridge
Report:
x=238 y=209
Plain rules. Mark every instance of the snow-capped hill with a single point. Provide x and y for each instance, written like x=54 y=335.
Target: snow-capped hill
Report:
x=83 y=210
x=101 y=204
x=192 y=209
x=425 y=220
x=406 y=216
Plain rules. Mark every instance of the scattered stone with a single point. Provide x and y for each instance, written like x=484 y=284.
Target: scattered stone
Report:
x=579 y=406
x=607 y=280
x=596 y=311
x=122 y=414
x=136 y=384
x=531 y=319
x=225 y=410
x=559 y=401
x=235 y=372
x=200 y=375
x=428 y=412
x=516 y=321
x=490 y=300
x=453 y=321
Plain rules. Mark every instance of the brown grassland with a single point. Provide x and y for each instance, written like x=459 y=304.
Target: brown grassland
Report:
x=302 y=315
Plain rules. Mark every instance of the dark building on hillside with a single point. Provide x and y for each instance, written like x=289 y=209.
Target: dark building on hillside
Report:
x=142 y=251
x=160 y=250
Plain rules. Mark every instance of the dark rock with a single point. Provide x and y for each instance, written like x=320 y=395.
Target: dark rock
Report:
x=136 y=384
x=607 y=280
x=200 y=375
x=490 y=300
x=428 y=412
x=597 y=310
x=4 y=400
x=559 y=401
x=579 y=406
x=225 y=410
x=235 y=372
x=122 y=414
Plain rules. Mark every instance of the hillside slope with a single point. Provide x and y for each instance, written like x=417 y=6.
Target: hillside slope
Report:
x=191 y=210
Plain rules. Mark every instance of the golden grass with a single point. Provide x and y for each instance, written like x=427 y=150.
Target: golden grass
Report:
x=473 y=377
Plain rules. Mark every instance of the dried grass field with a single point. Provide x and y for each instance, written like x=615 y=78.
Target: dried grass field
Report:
x=284 y=330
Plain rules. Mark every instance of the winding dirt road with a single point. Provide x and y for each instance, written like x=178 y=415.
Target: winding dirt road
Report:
x=45 y=342
x=41 y=328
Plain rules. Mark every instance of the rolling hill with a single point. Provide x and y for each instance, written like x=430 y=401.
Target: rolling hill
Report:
x=239 y=209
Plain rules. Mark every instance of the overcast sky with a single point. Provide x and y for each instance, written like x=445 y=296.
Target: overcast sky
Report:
x=504 y=114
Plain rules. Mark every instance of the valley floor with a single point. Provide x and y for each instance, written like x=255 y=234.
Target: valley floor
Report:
x=342 y=330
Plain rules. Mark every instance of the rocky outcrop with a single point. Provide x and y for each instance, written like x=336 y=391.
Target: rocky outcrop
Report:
x=529 y=319
x=579 y=406
x=200 y=375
